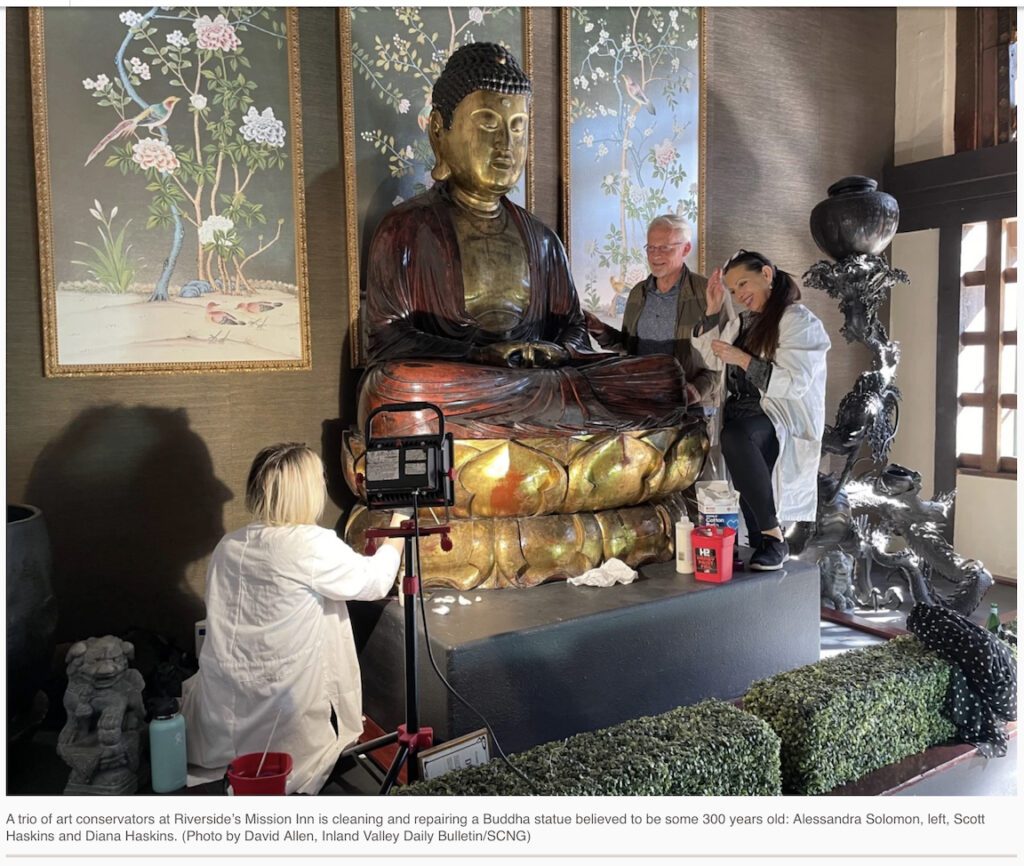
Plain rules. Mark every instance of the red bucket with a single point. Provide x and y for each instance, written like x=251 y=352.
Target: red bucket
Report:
x=712 y=553
x=272 y=778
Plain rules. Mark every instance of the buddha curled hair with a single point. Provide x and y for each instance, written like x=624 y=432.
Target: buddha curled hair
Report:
x=477 y=66
x=286 y=485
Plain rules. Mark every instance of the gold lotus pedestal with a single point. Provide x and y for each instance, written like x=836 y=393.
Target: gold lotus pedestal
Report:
x=531 y=510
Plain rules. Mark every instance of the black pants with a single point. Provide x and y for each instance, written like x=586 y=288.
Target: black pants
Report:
x=750 y=448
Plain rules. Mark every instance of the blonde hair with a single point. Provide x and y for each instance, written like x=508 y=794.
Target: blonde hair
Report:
x=674 y=222
x=286 y=485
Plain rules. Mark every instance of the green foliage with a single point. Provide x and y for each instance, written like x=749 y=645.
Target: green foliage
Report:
x=843 y=717
x=709 y=749
x=110 y=264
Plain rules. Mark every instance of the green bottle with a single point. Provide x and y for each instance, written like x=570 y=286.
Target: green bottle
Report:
x=992 y=623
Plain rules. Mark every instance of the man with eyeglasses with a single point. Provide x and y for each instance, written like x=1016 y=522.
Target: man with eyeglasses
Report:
x=662 y=310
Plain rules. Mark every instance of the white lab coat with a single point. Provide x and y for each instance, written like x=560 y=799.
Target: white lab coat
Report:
x=278 y=637
x=794 y=402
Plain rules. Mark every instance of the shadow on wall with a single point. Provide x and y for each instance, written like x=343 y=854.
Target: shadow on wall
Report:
x=130 y=499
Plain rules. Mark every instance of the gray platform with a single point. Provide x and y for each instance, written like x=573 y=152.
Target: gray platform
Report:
x=548 y=662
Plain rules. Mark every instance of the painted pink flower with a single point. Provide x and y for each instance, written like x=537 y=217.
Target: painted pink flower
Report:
x=665 y=153
x=154 y=153
x=216 y=35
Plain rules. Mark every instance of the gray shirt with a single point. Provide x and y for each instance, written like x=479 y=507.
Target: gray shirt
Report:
x=656 y=327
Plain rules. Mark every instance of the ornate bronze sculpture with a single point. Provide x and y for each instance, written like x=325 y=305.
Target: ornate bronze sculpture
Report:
x=863 y=514
x=471 y=306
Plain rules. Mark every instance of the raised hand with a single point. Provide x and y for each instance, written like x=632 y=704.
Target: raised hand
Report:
x=715 y=292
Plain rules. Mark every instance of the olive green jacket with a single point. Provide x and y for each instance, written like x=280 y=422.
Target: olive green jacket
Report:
x=689 y=311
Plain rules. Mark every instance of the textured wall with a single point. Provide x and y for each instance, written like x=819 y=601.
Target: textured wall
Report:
x=138 y=476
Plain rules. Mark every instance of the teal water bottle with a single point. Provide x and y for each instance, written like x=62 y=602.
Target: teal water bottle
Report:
x=167 y=755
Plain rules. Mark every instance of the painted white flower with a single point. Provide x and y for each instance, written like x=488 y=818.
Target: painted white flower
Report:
x=601 y=151
x=584 y=84
x=177 y=39
x=139 y=68
x=88 y=84
x=403 y=106
x=609 y=179
x=102 y=82
x=602 y=111
x=130 y=18
x=213 y=224
x=215 y=35
x=589 y=26
x=603 y=35
x=692 y=44
x=263 y=128
x=588 y=140
x=407 y=153
x=593 y=49
x=154 y=153
x=476 y=15
x=648 y=131
x=197 y=101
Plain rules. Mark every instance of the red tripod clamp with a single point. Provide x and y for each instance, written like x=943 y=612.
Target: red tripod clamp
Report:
x=422 y=739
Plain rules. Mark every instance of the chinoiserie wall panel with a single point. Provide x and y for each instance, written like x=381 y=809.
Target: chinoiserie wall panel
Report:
x=139 y=476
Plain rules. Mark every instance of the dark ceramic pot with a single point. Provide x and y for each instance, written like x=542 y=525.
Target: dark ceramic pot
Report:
x=855 y=218
x=31 y=610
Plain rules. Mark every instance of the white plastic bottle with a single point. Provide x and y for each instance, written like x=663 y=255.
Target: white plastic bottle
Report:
x=684 y=546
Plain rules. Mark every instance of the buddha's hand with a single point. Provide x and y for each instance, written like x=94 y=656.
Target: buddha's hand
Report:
x=521 y=353
x=595 y=327
x=715 y=292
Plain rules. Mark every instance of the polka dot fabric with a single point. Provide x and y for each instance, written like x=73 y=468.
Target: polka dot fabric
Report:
x=982 y=693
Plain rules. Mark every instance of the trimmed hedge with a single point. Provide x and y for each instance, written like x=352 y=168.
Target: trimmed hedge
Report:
x=710 y=748
x=843 y=717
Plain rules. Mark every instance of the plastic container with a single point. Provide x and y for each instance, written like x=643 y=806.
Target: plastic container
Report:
x=684 y=546
x=273 y=778
x=712 y=553
x=167 y=753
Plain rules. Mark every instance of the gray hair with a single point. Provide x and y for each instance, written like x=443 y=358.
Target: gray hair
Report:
x=674 y=222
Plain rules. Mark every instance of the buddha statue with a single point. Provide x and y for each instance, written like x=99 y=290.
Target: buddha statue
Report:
x=470 y=305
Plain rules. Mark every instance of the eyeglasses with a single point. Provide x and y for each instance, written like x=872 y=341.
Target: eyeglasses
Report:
x=662 y=248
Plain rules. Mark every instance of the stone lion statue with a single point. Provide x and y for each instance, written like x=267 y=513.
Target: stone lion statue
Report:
x=100 y=740
x=836 y=570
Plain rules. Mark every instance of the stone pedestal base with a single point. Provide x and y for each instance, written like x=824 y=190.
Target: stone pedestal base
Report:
x=545 y=664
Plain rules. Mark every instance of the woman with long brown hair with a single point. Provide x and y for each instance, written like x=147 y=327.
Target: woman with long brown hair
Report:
x=772 y=359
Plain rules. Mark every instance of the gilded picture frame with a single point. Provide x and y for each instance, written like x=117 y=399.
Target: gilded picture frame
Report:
x=170 y=190
x=390 y=58
x=634 y=109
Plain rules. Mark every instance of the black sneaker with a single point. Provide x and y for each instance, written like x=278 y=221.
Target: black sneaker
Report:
x=770 y=554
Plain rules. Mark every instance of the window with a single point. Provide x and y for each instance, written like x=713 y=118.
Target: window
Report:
x=986 y=72
x=986 y=426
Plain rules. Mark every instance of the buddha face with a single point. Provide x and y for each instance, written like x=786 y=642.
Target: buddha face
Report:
x=484 y=151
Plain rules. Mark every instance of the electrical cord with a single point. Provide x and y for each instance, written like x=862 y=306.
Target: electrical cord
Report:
x=437 y=670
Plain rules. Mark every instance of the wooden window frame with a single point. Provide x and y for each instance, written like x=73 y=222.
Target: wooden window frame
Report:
x=983 y=115
x=993 y=338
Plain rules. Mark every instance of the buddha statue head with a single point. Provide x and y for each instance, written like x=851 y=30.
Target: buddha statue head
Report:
x=479 y=124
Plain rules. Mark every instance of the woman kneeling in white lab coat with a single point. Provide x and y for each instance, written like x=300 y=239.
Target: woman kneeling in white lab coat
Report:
x=279 y=642
x=772 y=359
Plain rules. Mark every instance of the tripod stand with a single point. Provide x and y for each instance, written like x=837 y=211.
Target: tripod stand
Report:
x=411 y=738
